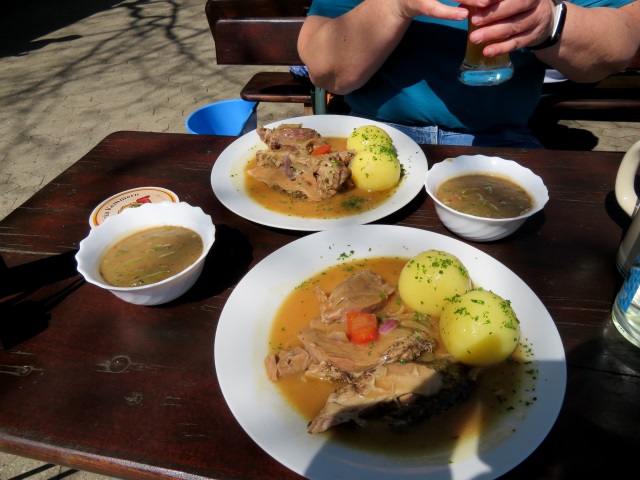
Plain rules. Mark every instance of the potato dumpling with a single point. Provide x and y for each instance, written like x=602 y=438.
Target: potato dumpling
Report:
x=375 y=168
x=368 y=135
x=429 y=279
x=479 y=328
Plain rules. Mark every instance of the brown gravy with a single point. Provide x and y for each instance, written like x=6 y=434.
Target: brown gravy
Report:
x=150 y=256
x=504 y=388
x=485 y=196
x=352 y=201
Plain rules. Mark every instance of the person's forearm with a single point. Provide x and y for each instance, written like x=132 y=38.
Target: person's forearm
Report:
x=596 y=42
x=343 y=53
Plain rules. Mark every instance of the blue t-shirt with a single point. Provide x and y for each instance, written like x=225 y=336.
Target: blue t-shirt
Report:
x=418 y=83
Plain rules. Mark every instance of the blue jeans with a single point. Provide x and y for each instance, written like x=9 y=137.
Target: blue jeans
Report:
x=433 y=135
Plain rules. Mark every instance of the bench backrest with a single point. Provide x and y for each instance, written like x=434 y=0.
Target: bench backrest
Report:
x=256 y=32
x=258 y=41
x=217 y=9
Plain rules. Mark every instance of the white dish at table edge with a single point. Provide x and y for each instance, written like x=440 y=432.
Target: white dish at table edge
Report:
x=227 y=174
x=241 y=345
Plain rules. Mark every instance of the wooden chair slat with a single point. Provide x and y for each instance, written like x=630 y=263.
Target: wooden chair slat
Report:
x=258 y=41
x=263 y=32
x=615 y=98
x=217 y=9
x=278 y=86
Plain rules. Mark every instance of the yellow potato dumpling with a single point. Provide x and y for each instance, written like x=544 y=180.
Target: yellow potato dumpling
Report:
x=429 y=279
x=368 y=135
x=375 y=168
x=479 y=328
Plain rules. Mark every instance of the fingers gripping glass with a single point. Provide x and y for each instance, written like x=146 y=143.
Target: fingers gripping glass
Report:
x=478 y=70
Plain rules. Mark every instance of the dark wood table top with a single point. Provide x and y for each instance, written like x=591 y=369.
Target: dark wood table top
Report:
x=94 y=383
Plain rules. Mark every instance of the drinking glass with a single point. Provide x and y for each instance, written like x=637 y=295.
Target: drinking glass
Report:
x=478 y=70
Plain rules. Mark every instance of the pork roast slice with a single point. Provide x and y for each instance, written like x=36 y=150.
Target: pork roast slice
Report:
x=404 y=343
x=287 y=362
x=400 y=393
x=312 y=185
x=291 y=137
x=300 y=160
x=362 y=292
x=311 y=177
x=289 y=166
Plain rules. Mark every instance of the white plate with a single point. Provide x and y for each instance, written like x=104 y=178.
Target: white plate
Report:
x=553 y=76
x=227 y=175
x=241 y=348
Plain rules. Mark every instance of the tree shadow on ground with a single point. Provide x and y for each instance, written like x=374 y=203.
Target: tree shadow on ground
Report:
x=22 y=22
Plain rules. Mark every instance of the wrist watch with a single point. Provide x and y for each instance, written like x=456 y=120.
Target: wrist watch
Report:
x=559 y=16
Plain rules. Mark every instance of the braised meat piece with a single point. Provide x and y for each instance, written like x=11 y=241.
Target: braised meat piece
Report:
x=327 y=353
x=313 y=178
x=292 y=137
x=296 y=360
x=362 y=292
x=404 y=343
x=400 y=393
x=290 y=166
x=393 y=378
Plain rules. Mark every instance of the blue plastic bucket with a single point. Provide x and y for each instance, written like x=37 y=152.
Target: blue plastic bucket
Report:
x=229 y=117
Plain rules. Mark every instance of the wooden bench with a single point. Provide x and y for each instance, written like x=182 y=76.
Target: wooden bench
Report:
x=616 y=98
x=264 y=32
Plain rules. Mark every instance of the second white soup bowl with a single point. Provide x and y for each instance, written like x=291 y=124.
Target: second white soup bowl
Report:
x=481 y=229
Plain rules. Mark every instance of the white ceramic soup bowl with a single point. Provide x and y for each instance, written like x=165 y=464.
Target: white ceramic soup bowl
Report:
x=480 y=229
x=133 y=220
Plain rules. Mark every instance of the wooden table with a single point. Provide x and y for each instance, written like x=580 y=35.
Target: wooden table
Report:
x=97 y=384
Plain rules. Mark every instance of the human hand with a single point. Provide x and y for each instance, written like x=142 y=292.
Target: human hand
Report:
x=506 y=24
x=409 y=9
x=509 y=25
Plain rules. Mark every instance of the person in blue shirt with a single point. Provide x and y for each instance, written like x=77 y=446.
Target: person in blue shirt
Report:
x=396 y=61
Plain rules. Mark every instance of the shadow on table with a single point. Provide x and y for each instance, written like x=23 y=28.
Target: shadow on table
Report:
x=30 y=291
x=492 y=457
x=227 y=262
x=595 y=434
x=599 y=418
x=560 y=137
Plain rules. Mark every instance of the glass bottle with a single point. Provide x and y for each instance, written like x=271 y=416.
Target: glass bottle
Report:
x=626 y=308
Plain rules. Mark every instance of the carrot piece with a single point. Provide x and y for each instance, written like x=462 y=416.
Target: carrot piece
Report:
x=321 y=149
x=363 y=327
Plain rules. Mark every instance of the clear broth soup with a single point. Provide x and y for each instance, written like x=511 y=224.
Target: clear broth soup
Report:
x=485 y=196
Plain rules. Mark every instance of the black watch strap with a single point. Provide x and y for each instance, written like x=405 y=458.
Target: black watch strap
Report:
x=559 y=16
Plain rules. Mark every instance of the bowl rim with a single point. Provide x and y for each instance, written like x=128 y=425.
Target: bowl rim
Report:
x=80 y=260
x=540 y=202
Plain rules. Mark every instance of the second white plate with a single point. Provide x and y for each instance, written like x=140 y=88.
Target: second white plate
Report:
x=241 y=346
x=227 y=175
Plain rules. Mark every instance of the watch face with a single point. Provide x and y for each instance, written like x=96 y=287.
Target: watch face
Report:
x=559 y=16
